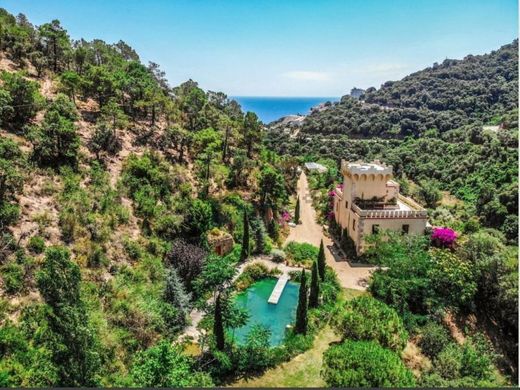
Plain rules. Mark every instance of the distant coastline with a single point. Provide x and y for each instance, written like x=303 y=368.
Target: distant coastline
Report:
x=271 y=108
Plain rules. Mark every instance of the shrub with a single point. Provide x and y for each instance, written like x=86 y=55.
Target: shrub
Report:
x=330 y=287
x=443 y=237
x=13 y=276
x=164 y=365
x=252 y=273
x=133 y=249
x=278 y=256
x=256 y=354
x=301 y=253
x=366 y=318
x=364 y=364
x=473 y=359
x=433 y=339
x=36 y=244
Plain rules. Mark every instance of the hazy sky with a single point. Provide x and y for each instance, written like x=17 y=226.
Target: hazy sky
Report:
x=286 y=48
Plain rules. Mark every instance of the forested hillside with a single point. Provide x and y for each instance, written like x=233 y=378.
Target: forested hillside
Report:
x=110 y=183
x=451 y=134
x=117 y=191
x=444 y=97
x=451 y=127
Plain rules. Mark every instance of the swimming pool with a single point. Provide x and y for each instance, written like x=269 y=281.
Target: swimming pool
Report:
x=275 y=317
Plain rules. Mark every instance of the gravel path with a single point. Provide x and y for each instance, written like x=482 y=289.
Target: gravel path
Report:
x=308 y=231
x=311 y=232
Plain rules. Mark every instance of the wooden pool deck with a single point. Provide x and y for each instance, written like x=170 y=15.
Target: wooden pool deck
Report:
x=278 y=289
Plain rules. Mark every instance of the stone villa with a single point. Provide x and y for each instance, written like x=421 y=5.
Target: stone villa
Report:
x=370 y=201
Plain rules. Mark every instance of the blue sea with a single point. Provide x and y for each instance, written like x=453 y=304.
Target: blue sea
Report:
x=270 y=109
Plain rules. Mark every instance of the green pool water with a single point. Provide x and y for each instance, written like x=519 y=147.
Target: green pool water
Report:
x=275 y=317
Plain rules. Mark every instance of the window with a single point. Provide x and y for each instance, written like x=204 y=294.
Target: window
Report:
x=375 y=229
x=353 y=225
x=406 y=229
x=346 y=204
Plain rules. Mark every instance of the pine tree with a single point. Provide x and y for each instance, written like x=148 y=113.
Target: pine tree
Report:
x=315 y=286
x=301 y=310
x=297 y=211
x=321 y=261
x=244 y=254
x=218 y=326
x=176 y=295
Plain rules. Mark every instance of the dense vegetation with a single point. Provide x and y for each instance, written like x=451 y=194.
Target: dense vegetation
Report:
x=111 y=183
x=450 y=133
x=444 y=97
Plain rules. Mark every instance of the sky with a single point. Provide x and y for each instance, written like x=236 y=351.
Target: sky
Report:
x=282 y=47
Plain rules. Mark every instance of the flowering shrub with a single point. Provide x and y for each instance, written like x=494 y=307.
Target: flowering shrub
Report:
x=443 y=237
x=286 y=216
x=332 y=194
x=330 y=215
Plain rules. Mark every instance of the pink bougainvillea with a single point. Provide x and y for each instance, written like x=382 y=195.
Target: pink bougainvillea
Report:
x=330 y=215
x=340 y=186
x=286 y=216
x=443 y=237
x=332 y=194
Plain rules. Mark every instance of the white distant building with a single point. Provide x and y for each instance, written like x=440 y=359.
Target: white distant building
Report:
x=315 y=167
x=370 y=201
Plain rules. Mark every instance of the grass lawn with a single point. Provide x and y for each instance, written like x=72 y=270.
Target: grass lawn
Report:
x=304 y=369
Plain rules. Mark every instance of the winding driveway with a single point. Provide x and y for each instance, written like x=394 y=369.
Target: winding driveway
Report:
x=311 y=232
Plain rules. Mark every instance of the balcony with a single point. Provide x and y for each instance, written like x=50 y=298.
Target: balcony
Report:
x=404 y=208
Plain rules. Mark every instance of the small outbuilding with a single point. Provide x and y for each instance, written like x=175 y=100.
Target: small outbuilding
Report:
x=221 y=241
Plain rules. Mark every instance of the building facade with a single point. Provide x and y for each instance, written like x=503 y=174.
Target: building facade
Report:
x=369 y=201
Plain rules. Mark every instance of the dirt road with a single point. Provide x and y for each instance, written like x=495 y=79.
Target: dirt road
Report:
x=311 y=232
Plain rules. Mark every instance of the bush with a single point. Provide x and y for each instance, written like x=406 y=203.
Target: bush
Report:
x=278 y=256
x=256 y=354
x=443 y=237
x=133 y=249
x=13 y=276
x=164 y=365
x=364 y=364
x=473 y=359
x=253 y=273
x=301 y=253
x=330 y=287
x=36 y=244
x=433 y=339
x=366 y=318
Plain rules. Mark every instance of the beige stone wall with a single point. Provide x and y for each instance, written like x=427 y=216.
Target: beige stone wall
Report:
x=368 y=186
x=416 y=226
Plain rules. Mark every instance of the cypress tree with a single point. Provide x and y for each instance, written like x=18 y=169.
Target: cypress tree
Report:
x=301 y=310
x=218 y=326
x=315 y=286
x=244 y=254
x=259 y=235
x=274 y=230
x=321 y=261
x=297 y=211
